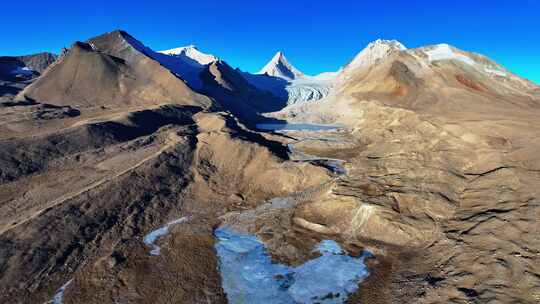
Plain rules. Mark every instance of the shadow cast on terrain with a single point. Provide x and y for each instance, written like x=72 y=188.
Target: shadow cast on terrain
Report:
x=276 y=147
x=24 y=156
x=9 y=90
x=274 y=85
x=147 y=122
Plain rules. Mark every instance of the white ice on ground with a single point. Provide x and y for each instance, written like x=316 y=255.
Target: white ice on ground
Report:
x=249 y=275
x=152 y=237
x=444 y=52
x=58 y=297
x=495 y=72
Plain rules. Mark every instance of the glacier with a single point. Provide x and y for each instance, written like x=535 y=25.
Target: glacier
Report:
x=283 y=80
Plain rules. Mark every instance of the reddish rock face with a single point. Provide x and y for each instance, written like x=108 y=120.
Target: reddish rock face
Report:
x=469 y=83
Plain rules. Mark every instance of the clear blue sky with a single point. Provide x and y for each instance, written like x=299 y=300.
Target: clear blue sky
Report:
x=316 y=36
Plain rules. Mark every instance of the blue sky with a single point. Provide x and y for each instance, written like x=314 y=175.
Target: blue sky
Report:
x=315 y=36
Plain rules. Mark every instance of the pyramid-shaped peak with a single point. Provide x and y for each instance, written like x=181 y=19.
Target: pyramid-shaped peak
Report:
x=279 y=66
x=279 y=55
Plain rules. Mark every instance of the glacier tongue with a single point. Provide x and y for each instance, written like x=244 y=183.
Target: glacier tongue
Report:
x=306 y=90
x=299 y=90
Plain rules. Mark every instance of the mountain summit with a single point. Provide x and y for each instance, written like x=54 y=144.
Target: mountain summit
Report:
x=191 y=52
x=375 y=50
x=279 y=66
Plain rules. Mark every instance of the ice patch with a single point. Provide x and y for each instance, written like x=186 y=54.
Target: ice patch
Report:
x=249 y=276
x=444 y=52
x=495 y=72
x=24 y=71
x=58 y=297
x=152 y=237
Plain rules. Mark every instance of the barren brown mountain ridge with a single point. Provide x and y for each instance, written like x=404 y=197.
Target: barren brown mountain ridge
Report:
x=126 y=176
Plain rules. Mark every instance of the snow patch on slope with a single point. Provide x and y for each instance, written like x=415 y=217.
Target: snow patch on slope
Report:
x=445 y=52
x=153 y=236
x=58 y=297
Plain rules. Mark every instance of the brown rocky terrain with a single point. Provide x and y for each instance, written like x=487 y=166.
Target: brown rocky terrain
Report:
x=445 y=185
x=79 y=190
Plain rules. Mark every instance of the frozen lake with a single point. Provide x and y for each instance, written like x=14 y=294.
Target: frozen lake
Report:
x=249 y=276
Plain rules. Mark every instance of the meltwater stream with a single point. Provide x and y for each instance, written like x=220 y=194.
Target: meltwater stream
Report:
x=249 y=276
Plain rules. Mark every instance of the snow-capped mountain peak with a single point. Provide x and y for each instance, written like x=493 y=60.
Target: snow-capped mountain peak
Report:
x=279 y=66
x=375 y=50
x=192 y=52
